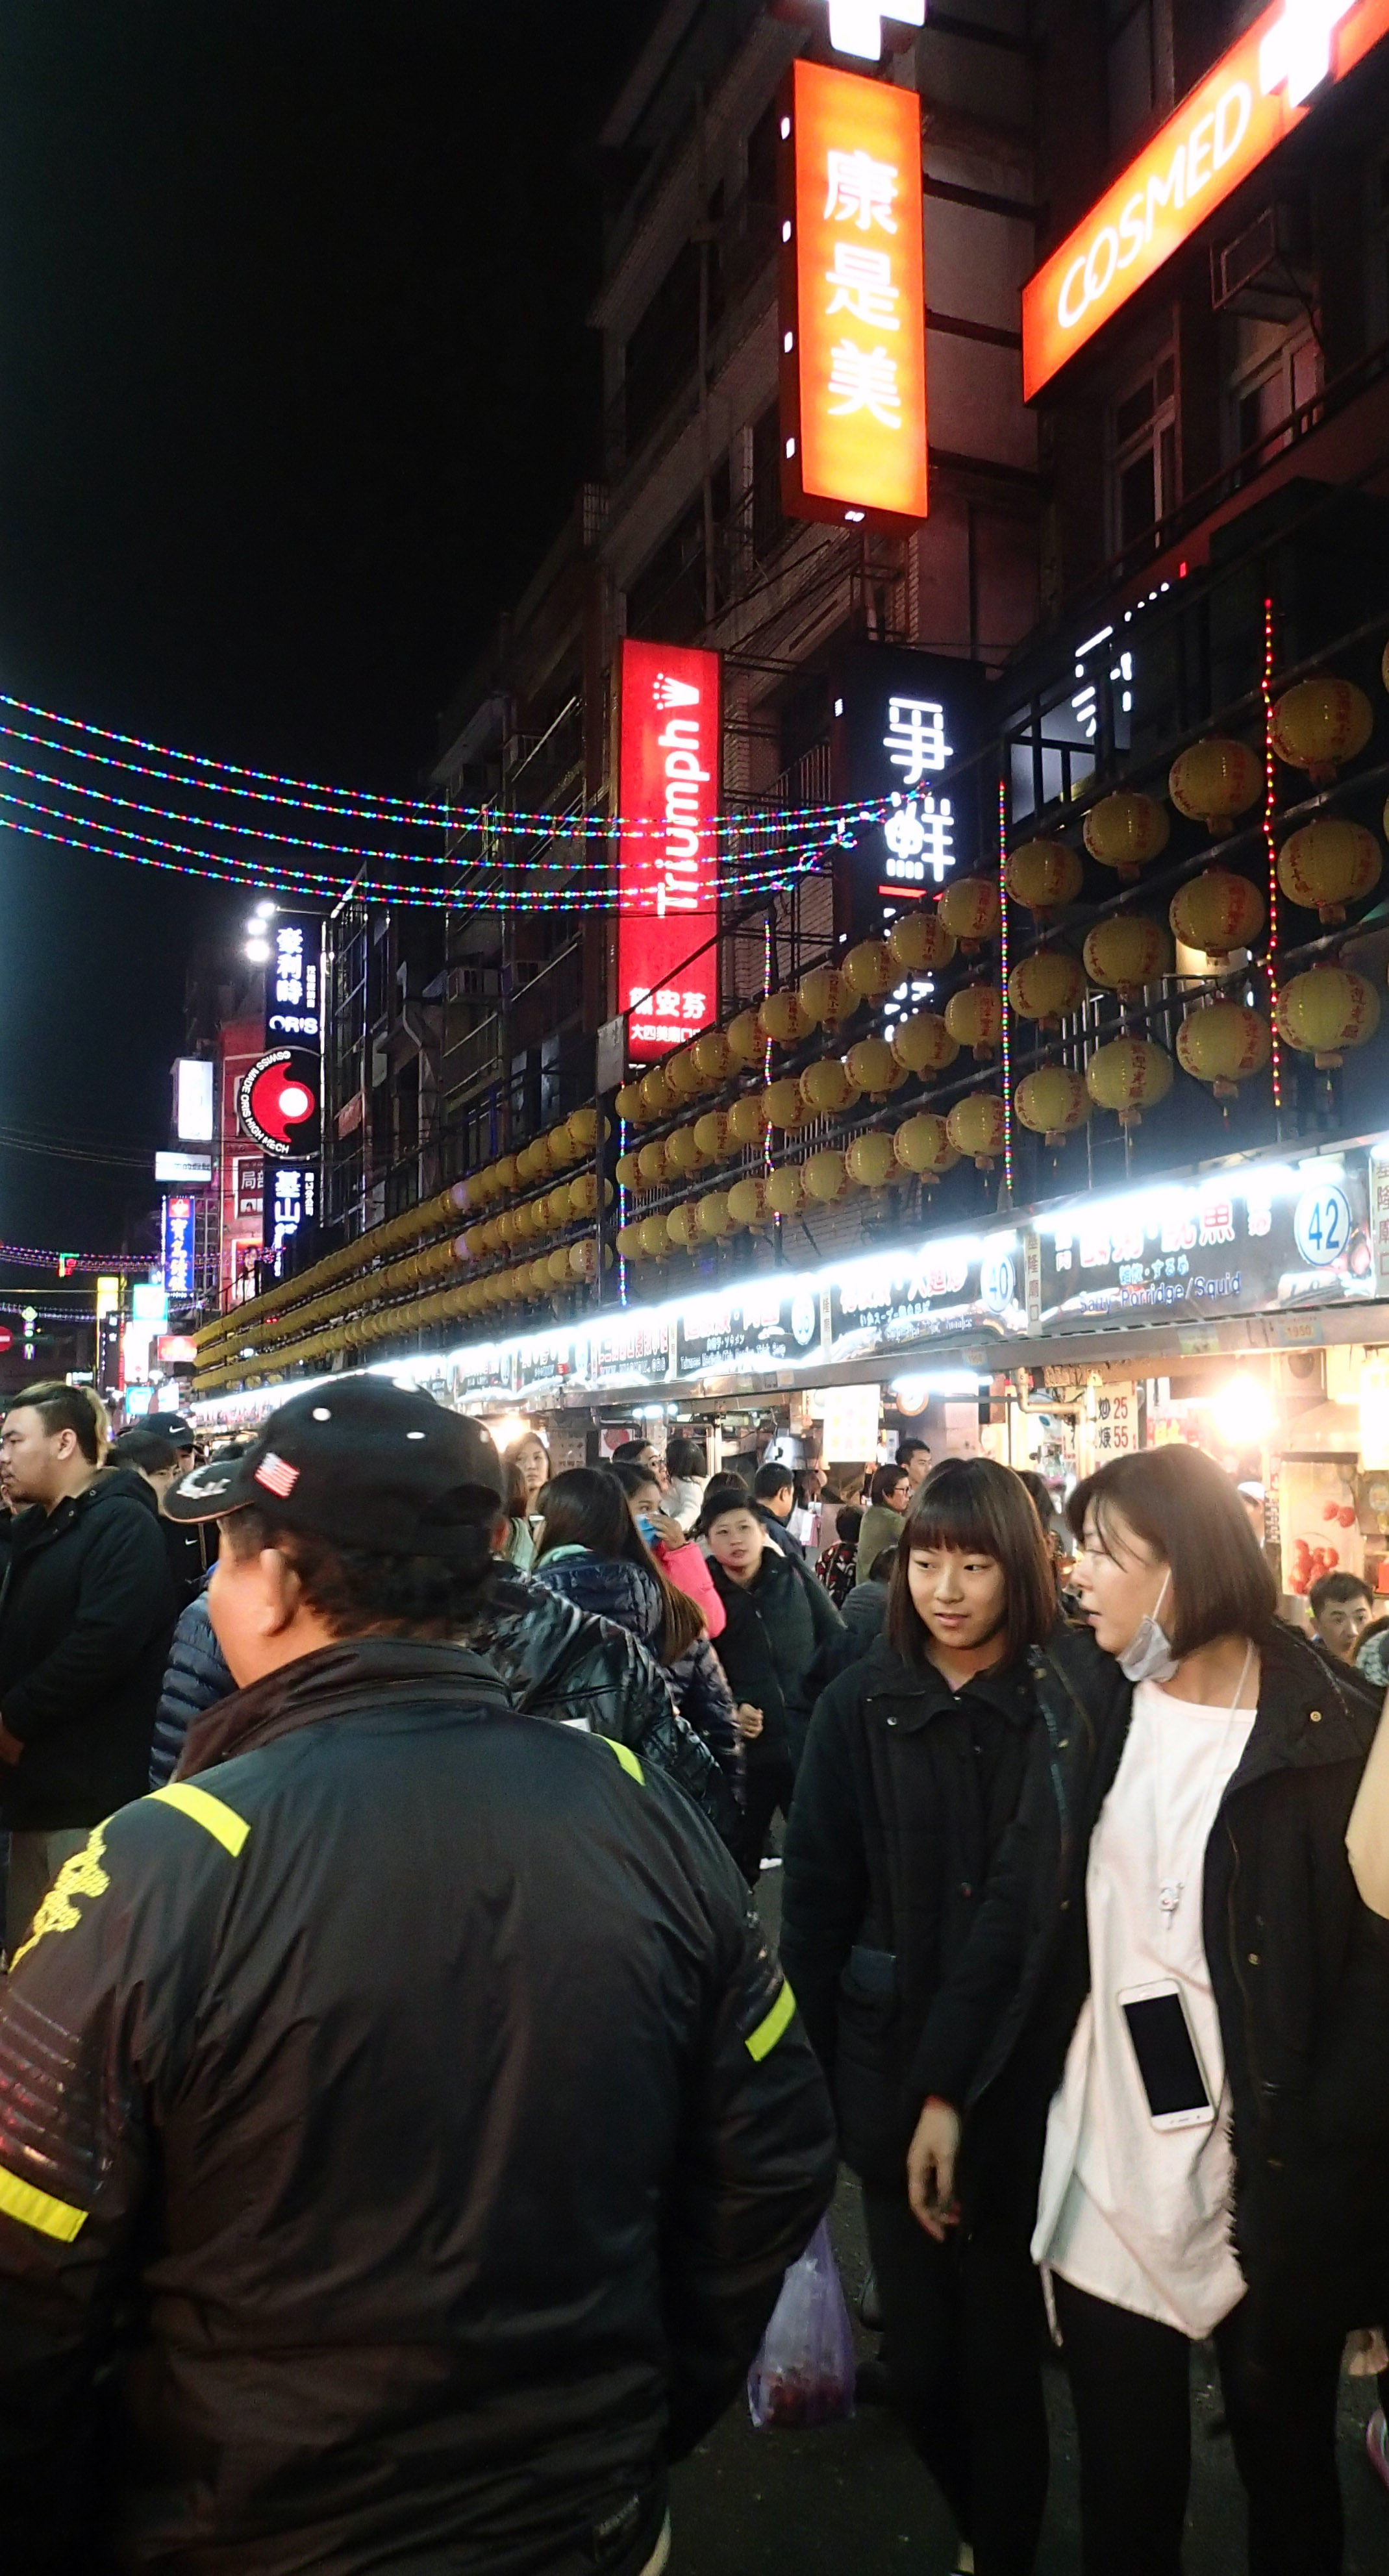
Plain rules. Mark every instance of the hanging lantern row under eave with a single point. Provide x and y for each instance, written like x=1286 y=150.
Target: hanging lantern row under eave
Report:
x=1053 y=1102
x=1214 y=781
x=1326 y=1011
x=1128 y=1076
x=1319 y=724
x=1327 y=865
x=1125 y=832
x=1127 y=952
x=1217 y=912
x=1046 y=988
x=1223 y=1044
x=1043 y=876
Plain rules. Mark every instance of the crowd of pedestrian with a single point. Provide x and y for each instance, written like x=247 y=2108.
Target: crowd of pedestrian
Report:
x=405 y=2126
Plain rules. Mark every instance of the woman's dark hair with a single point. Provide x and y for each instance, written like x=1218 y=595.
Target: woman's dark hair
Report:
x=686 y=1458
x=359 y=1591
x=848 y=1524
x=980 y=1508
x=724 y=1492
x=587 y=1507
x=515 y=1499
x=886 y=1481
x=1040 y=1491
x=880 y=1571
x=1181 y=1506
x=141 y=1448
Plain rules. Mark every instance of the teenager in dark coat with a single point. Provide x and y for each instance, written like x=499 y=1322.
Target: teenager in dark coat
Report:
x=782 y=1635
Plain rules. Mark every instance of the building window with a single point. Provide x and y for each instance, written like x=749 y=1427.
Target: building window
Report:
x=1276 y=370
x=1143 y=452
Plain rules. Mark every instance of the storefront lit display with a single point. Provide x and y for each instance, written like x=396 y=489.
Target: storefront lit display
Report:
x=1255 y=95
x=667 y=864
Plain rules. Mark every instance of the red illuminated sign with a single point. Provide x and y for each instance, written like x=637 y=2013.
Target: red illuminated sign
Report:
x=667 y=865
x=278 y=1099
x=852 y=301
x=1228 y=124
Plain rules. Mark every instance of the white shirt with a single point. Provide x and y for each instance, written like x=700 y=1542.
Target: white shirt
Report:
x=1137 y=2215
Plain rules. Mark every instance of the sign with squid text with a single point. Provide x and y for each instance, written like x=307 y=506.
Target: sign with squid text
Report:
x=1255 y=95
x=852 y=310
x=667 y=853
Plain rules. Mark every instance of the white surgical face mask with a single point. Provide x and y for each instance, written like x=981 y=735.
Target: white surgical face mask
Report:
x=1148 y=1656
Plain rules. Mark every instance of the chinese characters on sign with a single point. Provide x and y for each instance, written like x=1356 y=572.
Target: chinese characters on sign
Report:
x=667 y=854
x=292 y=980
x=1232 y=1248
x=178 y=1250
x=904 y=722
x=852 y=303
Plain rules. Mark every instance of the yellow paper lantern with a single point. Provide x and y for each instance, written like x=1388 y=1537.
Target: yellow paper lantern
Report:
x=506 y=1174
x=746 y=1044
x=1327 y=865
x=1217 y=912
x=1125 y=831
x=971 y=911
x=782 y=1105
x=974 y=1017
x=682 y=1225
x=583 y=1194
x=1044 y=875
x=539 y=1275
x=784 y=1019
x=1128 y=1076
x=532 y=1162
x=713 y=1058
x=711 y=1136
x=657 y=1098
x=563 y=1148
x=922 y=1145
x=683 y=1075
x=826 y=1177
x=786 y=1191
x=747 y=1200
x=629 y=1172
x=477 y=1242
x=630 y=1105
x=746 y=1123
x=872 y=1067
x=1214 y=781
x=976 y=1126
x=682 y=1153
x=1223 y=1044
x=653 y=1238
x=651 y=1163
x=583 y=1258
x=923 y=1044
x=920 y=942
x=506 y=1229
x=827 y=997
x=583 y=1126
x=871 y=1160
x=1053 y=1102
x=1126 y=953
x=1325 y=1011
x=715 y=1218
x=629 y=1241
x=870 y=969
x=557 y=1204
x=826 y=1087
x=1046 y=988
x=1318 y=724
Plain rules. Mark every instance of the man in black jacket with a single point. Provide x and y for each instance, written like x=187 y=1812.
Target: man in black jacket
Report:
x=88 y=1609
x=400 y=2116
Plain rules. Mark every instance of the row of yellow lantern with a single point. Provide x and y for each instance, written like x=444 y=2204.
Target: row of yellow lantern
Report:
x=568 y=1143
x=1324 y=866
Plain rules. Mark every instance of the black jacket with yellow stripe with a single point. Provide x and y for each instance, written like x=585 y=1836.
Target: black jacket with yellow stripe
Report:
x=403 y=2132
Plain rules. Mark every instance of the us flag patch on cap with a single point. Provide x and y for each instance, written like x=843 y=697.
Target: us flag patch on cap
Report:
x=278 y=1474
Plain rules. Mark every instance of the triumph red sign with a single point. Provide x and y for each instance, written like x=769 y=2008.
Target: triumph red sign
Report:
x=667 y=863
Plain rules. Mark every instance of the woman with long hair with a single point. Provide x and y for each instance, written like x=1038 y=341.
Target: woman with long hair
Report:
x=1196 y=2052
x=592 y=1552
x=531 y=1459
x=677 y=1557
x=911 y=1777
x=520 y=1542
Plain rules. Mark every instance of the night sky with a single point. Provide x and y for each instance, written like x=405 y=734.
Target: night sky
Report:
x=294 y=388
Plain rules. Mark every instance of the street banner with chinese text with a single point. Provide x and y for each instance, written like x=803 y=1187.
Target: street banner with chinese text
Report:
x=667 y=857
x=749 y=1328
x=1235 y=1245
x=938 y=1290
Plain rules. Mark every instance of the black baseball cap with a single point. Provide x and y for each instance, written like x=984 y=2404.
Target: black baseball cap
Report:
x=365 y=1464
x=170 y=1426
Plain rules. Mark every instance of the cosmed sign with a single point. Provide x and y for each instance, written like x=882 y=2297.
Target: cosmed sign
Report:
x=852 y=310
x=667 y=863
x=1257 y=93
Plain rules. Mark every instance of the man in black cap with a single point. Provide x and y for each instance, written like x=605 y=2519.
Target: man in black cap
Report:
x=401 y=2100
x=192 y=1546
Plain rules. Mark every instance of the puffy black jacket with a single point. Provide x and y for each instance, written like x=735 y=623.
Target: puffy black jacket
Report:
x=195 y=1678
x=782 y=1636
x=410 y=2111
x=905 y=1792
x=614 y=1589
x=562 y=1662
x=87 y=1613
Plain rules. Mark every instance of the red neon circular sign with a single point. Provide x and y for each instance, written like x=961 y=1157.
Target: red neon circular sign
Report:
x=278 y=1099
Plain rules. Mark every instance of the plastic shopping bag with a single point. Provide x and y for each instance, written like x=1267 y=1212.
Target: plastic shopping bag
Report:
x=804 y=2373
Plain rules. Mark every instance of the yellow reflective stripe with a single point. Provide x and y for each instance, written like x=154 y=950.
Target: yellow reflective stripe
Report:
x=628 y=1760
x=768 y=2032
x=222 y=1822
x=39 y=2209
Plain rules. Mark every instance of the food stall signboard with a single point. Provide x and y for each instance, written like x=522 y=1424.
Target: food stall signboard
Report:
x=752 y=1328
x=1240 y=1245
x=937 y=1290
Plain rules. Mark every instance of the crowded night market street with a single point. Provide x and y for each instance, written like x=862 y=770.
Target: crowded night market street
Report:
x=694 y=1288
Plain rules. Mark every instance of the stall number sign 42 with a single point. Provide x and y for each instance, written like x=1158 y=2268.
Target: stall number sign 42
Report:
x=1321 y=1225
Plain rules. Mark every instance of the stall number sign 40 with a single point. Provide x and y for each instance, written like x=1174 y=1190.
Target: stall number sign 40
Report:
x=1321 y=1225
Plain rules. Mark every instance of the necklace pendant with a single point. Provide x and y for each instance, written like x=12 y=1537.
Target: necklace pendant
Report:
x=1170 y=1895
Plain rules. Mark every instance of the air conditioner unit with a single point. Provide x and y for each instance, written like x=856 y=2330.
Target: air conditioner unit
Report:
x=1253 y=274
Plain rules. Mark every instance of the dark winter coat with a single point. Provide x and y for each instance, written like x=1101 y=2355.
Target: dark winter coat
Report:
x=613 y=1588
x=778 y=1530
x=406 y=2132
x=864 y=1613
x=905 y=1792
x=782 y=1635
x=87 y=1613
x=1299 y=1967
x=560 y=1662
x=195 y=1678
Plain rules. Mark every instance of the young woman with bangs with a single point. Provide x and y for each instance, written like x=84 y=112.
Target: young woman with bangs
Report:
x=912 y=1775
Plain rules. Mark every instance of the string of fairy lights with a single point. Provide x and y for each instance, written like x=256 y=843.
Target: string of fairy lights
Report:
x=77 y=788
